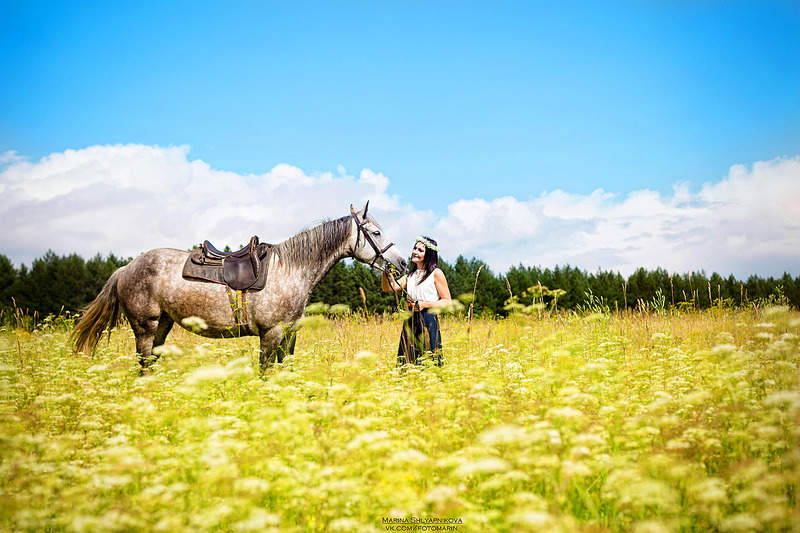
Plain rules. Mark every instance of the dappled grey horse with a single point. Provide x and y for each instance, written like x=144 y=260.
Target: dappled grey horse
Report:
x=153 y=295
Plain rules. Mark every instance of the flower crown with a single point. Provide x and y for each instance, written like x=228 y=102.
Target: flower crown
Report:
x=427 y=243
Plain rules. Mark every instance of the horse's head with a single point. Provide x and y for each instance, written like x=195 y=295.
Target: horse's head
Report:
x=371 y=245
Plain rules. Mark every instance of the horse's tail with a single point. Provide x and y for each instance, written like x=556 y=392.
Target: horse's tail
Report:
x=99 y=315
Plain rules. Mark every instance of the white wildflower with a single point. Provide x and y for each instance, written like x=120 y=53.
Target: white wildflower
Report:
x=740 y=522
x=650 y=526
x=537 y=520
x=580 y=451
x=503 y=435
x=410 y=456
x=565 y=414
x=710 y=491
x=141 y=404
x=723 y=337
x=207 y=374
x=571 y=469
x=784 y=399
x=194 y=323
x=168 y=350
x=365 y=357
x=345 y=525
x=441 y=494
x=723 y=349
x=259 y=520
x=104 y=482
x=251 y=485
x=367 y=438
x=529 y=500
x=659 y=338
x=239 y=367
x=486 y=465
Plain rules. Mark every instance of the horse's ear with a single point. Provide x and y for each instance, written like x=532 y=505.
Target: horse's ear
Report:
x=365 y=210
x=352 y=210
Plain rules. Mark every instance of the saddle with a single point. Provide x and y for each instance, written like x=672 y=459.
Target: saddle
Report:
x=244 y=269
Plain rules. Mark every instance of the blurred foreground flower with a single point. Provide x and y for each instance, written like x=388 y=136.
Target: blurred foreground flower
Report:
x=167 y=349
x=409 y=456
x=339 y=310
x=366 y=357
x=452 y=308
x=367 y=438
x=487 y=465
x=194 y=323
x=317 y=308
x=507 y=434
x=206 y=374
x=538 y=520
x=259 y=520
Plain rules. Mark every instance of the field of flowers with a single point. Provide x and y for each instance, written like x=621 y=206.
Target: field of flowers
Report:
x=605 y=422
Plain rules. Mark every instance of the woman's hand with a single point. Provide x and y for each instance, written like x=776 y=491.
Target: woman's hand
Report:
x=416 y=305
x=390 y=284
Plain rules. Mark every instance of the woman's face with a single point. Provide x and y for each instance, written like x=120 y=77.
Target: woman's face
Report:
x=418 y=254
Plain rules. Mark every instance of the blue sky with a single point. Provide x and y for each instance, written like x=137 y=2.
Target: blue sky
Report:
x=450 y=101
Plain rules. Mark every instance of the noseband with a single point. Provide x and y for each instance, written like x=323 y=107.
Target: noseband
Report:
x=367 y=237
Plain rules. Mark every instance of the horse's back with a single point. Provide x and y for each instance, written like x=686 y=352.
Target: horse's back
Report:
x=148 y=273
x=157 y=263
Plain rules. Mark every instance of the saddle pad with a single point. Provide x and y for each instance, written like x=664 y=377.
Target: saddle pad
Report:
x=197 y=269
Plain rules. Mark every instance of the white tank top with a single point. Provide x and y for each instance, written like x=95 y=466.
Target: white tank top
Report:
x=425 y=291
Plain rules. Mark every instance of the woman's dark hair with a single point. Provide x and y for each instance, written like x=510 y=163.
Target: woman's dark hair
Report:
x=429 y=263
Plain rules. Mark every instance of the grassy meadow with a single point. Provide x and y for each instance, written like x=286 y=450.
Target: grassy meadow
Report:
x=604 y=422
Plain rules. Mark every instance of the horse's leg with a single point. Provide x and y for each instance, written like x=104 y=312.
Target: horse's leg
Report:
x=270 y=339
x=144 y=329
x=276 y=343
x=165 y=323
x=292 y=341
x=286 y=347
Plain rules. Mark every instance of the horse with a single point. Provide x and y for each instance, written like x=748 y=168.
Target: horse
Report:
x=153 y=295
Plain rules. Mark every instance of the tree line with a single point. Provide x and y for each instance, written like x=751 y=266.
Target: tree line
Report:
x=54 y=284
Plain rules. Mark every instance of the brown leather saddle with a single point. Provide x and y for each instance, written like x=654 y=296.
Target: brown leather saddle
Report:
x=244 y=269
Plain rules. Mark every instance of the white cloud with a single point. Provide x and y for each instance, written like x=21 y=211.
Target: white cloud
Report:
x=128 y=199
x=475 y=223
x=748 y=222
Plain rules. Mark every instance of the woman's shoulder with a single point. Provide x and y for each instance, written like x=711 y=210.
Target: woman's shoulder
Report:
x=438 y=274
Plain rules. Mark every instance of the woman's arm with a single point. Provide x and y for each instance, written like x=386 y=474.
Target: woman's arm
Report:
x=441 y=287
x=389 y=285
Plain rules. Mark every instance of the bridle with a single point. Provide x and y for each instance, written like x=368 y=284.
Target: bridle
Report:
x=367 y=237
x=378 y=252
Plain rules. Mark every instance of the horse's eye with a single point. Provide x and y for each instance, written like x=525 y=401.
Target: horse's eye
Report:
x=376 y=233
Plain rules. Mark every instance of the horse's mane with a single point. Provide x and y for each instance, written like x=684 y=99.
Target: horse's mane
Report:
x=305 y=248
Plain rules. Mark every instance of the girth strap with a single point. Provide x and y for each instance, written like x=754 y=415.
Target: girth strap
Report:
x=238 y=306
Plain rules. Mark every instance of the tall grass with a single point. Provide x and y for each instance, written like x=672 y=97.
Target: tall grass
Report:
x=641 y=421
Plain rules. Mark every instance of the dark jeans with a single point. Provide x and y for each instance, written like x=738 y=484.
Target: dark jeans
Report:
x=420 y=337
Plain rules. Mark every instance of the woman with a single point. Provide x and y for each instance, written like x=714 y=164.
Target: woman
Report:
x=426 y=289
